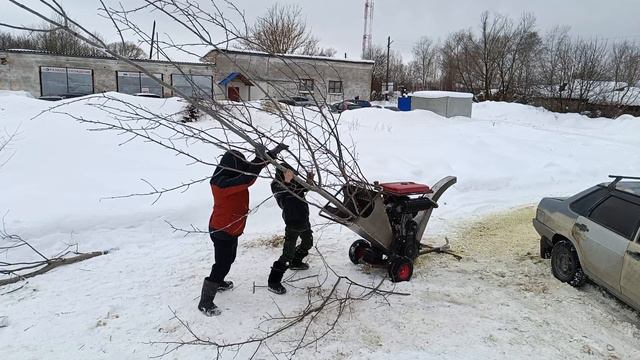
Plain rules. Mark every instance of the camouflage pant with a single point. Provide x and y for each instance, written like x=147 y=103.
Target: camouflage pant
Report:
x=290 y=251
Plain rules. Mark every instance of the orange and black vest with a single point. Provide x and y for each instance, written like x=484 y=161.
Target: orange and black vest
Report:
x=230 y=187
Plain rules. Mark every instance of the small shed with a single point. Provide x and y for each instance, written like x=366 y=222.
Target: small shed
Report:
x=444 y=103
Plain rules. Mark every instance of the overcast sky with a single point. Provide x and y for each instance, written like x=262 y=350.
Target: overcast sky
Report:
x=339 y=23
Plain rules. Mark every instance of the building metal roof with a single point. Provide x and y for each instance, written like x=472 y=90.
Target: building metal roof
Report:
x=105 y=57
x=288 y=56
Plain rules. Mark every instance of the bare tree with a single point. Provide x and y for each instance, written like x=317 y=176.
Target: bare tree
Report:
x=128 y=49
x=282 y=30
x=58 y=41
x=488 y=48
x=625 y=67
x=460 y=63
x=590 y=71
x=46 y=37
x=327 y=52
x=424 y=66
x=313 y=48
x=556 y=66
x=16 y=41
x=516 y=58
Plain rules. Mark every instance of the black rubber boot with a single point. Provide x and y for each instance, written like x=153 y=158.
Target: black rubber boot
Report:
x=275 y=278
x=298 y=264
x=226 y=285
x=206 y=305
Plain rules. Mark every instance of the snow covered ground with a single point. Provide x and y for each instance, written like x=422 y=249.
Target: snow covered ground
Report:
x=497 y=303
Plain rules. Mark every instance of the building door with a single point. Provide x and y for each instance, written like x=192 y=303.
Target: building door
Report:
x=233 y=93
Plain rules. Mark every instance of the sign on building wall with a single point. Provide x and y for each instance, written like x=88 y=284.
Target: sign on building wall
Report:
x=79 y=71
x=49 y=69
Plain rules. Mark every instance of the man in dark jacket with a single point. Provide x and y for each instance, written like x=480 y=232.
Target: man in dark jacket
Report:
x=230 y=187
x=290 y=196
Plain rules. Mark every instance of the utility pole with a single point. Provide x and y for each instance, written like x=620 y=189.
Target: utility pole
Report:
x=367 y=37
x=386 y=96
x=153 y=35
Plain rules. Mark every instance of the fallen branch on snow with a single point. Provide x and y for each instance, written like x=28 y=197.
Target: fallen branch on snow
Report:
x=52 y=264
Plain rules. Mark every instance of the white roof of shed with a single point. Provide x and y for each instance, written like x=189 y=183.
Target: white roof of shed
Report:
x=441 y=94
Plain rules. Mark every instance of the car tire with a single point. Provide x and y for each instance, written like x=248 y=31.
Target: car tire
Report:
x=565 y=264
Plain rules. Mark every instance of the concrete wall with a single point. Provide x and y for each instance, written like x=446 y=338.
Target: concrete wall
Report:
x=459 y=107
x=21 y=70
x=279 y=77
x=444 y=106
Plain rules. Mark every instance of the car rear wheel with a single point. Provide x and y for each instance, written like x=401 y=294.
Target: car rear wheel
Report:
x=565 y=264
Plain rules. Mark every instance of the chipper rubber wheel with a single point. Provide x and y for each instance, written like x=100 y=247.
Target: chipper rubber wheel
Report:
x=357 y=250
x=400 y=269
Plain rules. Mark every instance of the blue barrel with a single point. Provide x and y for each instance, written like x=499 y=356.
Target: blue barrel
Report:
x=404 y=103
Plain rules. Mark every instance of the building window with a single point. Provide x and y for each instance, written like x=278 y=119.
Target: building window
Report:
x=138 y=83
x=335 y=87
x=194 y=86
x=305 y=86
x=65 y=81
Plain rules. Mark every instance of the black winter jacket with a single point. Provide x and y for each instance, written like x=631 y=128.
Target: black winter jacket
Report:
x=295 y=211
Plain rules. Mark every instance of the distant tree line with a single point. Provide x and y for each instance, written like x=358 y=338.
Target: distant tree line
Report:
x=511 y=60
x=61 y=42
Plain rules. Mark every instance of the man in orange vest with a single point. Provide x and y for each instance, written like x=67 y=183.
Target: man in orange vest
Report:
x=230 y=187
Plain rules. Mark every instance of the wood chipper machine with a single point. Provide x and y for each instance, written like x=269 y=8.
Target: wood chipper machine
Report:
x=391 y=219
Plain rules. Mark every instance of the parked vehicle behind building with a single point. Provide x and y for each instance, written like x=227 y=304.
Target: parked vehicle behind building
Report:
x=361 y=103
x=60 y=97
x=345 y=105
x=594 y=234
x=297 y=101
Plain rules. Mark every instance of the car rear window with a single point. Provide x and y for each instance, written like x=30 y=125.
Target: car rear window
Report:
x=618 y=215
x=586 y=203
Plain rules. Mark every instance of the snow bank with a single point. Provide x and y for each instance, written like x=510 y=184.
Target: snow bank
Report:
x=507 y=155
x=15 y=93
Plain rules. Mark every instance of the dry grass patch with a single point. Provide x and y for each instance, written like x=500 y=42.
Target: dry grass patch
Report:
x=506 y=234
x=275 y=241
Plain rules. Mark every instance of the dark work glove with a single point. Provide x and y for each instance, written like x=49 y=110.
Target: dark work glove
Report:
x=261 y=151
x=277 y=150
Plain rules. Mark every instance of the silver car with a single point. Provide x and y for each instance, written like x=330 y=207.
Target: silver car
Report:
x=594 y=234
